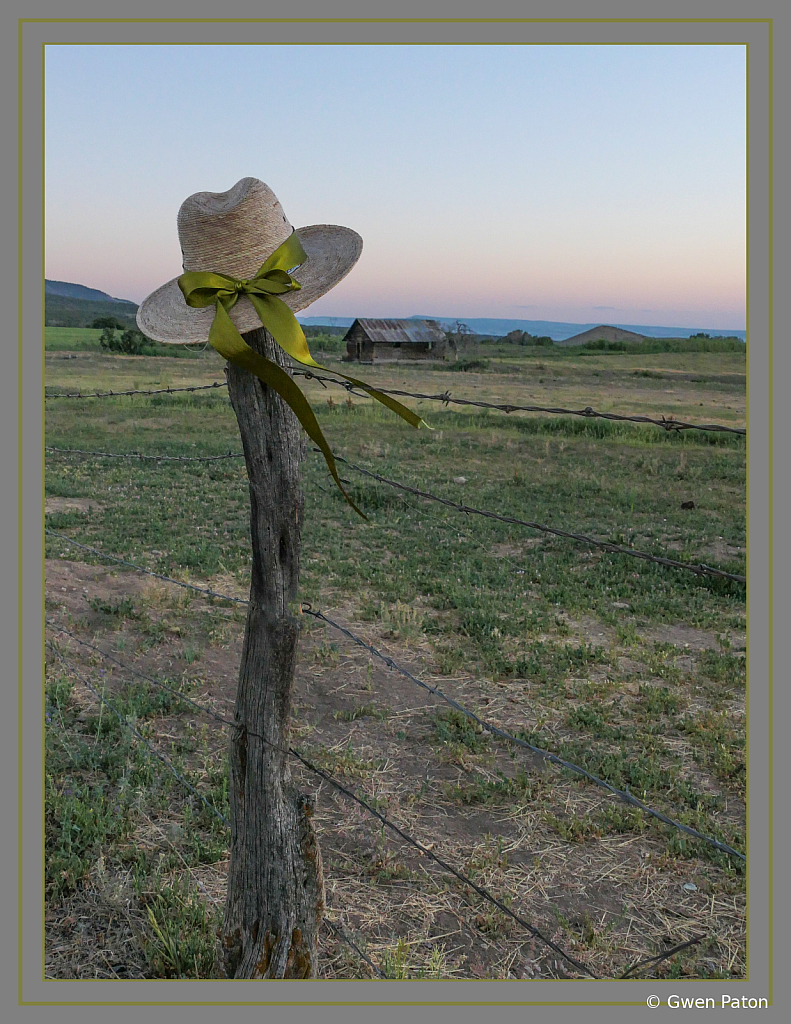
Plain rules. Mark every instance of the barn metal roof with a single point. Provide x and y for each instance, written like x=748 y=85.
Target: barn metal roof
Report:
x=403 y=331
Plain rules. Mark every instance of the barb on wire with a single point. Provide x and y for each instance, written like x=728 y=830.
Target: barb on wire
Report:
x=136 y=391
x=700 y=569
x=624 y=795
x=151 y=458
x=125 y=721
x=654 y=961
x=667 y=423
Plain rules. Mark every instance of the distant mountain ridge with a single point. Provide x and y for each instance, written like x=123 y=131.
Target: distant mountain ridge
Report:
x=68 y=290
x=66 y=308
x=556 y=329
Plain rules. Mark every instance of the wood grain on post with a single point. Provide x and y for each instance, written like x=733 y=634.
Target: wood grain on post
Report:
x=275 y=901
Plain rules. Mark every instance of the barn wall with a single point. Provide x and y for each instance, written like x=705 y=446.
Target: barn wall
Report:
x=386 y=352
x=360 y=347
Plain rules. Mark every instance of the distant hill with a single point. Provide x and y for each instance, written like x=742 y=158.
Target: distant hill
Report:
x=61 y=311
x=74 y=305
x=555 y=329
x=606 y=333
x=79 y=291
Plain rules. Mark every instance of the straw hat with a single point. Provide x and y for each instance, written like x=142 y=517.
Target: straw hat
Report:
x=233 y=233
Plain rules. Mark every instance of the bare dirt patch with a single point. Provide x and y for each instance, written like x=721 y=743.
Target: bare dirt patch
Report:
x=70 y=505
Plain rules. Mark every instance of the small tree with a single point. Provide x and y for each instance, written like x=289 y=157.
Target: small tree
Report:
x=106 y=321
x=456 y=335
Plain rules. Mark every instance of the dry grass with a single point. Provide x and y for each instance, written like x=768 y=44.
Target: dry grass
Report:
x=608 y=897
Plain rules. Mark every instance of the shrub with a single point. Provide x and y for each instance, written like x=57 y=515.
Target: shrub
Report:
x=131 y=343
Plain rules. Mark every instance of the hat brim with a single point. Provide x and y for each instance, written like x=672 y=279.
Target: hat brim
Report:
x=331 y=251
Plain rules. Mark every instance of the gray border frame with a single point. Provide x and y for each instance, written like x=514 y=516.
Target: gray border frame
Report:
x=754 y=31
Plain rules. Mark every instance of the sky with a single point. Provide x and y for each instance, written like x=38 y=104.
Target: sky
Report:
x=582 y=183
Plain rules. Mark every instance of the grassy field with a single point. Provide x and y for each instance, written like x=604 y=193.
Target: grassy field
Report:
x=631 y=670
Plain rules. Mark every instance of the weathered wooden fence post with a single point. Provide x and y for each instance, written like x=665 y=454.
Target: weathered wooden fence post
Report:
x=238 y=251
x=275 y=901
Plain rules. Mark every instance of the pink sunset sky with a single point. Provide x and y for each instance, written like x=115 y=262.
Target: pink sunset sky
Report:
x=583 y=183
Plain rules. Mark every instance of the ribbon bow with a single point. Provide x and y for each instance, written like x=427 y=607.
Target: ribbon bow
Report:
x=203 y=288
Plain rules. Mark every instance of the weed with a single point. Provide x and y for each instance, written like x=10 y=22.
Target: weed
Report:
x=454 y=728
x=572 y=830
x=395 y=961
x=190 y=653
x=723 y=667
x=327 y=653
x=658 y=700
x=123 y=609
x=481 y=789
x=181 y=938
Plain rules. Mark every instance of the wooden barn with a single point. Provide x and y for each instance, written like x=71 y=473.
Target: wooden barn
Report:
x=392 y=341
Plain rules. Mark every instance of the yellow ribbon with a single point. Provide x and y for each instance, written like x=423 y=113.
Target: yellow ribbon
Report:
x=203 y=288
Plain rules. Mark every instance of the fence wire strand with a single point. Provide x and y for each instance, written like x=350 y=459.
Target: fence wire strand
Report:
x=653 y=961
x=484 y=893
x=125 y=721
x=149 y=458
x=700 y=569
x=136 y=391
x=668 y=423
x=624 y=795
x=495 y=730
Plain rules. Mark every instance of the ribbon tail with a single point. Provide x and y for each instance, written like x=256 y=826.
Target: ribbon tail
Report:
x=224 y=337
x=401 y=410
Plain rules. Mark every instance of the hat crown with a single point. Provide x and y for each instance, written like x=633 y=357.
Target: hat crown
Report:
x=231 y=232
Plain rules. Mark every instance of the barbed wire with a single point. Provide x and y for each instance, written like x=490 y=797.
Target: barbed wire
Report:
x=136 y=391
x=669 y=424
x=338 y=929
x=306 y=609
x=495 y=730
x=342 y=934
x=700 y=569
x=484 y=893
x=140 y=568
x=152 y=458
x=654 y=961
x=624 y=795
